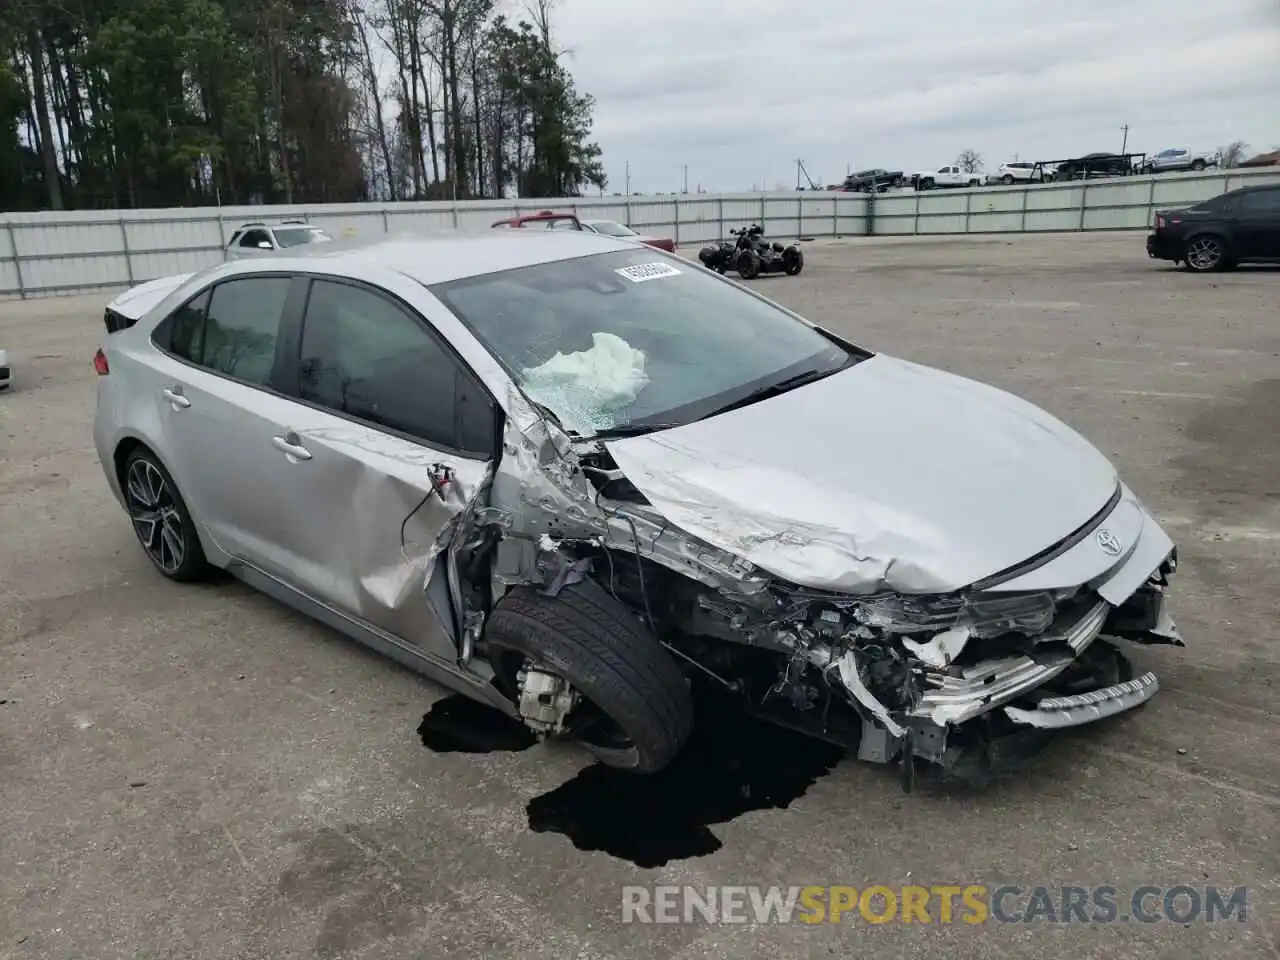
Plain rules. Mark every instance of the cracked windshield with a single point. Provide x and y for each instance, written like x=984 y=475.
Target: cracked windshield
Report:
x=623 y=339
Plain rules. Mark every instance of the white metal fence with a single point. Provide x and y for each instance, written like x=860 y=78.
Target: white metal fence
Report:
x=43 y=254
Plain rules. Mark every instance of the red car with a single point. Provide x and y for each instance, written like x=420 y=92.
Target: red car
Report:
x=571 y=221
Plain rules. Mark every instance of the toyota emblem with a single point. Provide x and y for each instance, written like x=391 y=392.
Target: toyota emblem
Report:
x=1109 y=543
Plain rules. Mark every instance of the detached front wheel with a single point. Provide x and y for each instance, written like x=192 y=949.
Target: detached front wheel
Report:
x=630 y=703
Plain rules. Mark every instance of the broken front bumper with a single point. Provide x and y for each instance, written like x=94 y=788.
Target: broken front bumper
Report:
x=987 y=685
x=1082 y=708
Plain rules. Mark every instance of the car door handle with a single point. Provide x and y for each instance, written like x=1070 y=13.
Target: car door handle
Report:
x=291 y=445
x=176 y=397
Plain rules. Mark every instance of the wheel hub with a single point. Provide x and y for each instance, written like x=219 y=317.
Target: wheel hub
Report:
x=545 y=700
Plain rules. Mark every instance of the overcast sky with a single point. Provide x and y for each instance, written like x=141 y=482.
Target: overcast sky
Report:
x=738 y=89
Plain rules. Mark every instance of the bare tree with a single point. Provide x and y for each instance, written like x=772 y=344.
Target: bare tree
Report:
x=970 y=161
x=1232 y=153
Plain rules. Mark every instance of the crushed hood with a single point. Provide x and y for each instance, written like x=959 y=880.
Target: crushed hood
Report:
x=887 y=475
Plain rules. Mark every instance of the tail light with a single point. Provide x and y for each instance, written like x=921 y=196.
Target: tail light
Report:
x=100 y=363
x=1159 y=221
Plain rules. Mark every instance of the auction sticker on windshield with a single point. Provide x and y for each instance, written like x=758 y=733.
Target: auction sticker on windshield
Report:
x=640 y=272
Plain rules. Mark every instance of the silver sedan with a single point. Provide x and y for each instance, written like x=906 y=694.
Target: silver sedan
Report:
x=576 y=478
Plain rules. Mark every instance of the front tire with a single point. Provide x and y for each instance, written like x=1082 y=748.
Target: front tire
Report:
x=748 y=264
x=160 y=518
x=637 y=712
x=792 y=261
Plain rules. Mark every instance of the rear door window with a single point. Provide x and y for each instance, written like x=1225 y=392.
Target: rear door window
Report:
x=231 y=329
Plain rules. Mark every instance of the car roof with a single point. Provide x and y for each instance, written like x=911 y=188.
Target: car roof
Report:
x=440 y=258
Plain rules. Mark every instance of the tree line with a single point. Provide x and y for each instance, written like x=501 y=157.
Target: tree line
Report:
x=154 y=103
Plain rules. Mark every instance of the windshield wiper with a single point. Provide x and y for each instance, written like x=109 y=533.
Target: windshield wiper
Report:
x=631 y=430
x=773 y=390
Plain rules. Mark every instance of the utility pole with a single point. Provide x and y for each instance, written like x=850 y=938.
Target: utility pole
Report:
x=1125 y=145
x=798 y=165
x=628 y=191
x=686 y=178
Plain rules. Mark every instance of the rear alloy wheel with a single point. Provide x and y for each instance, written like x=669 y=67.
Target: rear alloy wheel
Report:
x=631 y=705
x=160 y=518
x=1205 y=253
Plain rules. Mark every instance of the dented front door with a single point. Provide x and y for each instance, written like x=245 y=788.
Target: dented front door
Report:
x=363 y=509
x=388 y=441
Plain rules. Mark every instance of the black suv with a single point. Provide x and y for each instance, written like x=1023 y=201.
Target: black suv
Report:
x=865 y=181
x=1242 y=226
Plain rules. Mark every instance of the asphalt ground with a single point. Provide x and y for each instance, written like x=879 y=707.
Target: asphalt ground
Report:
x=198 y=772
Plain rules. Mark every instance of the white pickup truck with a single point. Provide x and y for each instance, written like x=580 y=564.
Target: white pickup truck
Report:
x=948 y=176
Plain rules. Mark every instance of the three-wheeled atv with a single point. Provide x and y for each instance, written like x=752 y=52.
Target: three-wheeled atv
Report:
x=750 y=254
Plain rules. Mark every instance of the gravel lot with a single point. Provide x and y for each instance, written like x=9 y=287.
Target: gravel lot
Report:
x=198 y=772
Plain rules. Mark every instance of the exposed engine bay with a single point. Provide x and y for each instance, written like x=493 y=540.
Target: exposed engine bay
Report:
x=892 y=676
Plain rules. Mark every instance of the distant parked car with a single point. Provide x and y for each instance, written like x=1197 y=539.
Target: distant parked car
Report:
x=6 y=371
x=1179 y=158
x=1096 y=165
x=1242 y=226
x=261 y=239
x=1023 y=171
x=948 y=176
x=611 y=228
x=865 y=181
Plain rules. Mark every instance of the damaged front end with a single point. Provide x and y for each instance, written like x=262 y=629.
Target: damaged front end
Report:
x=947 y=678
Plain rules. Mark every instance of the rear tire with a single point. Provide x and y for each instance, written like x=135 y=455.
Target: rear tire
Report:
x=595 y=643
x=160 y=518
x=1007 y=180
x=926 y=184
x=1206 y=253
x=1197 y=165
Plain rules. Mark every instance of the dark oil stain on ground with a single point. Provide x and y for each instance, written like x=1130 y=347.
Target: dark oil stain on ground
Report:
x=733 y=764
x=458 y=724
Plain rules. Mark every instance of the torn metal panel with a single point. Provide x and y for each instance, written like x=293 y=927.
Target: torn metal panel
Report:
x=539 y=483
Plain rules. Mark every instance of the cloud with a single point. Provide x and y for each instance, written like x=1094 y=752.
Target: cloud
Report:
x=737 y=89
